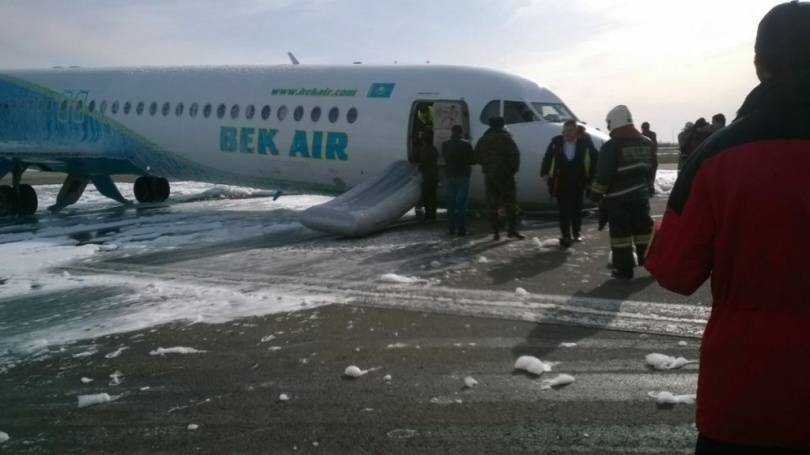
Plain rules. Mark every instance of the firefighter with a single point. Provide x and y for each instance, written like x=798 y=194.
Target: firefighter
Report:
x=499 y=157
x=568 y=170
x=624 y=178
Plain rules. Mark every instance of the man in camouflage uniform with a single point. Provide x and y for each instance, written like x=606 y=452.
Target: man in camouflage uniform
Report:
x=624 y=179
x=499 y=157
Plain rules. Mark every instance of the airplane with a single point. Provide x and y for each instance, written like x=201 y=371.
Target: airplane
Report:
x=319 y=128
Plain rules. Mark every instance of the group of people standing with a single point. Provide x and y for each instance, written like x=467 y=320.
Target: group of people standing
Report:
x=620 y=178
x=693 y=134
x=499 y=158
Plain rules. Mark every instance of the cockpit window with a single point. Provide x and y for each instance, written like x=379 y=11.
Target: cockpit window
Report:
x=492 y=109
x=517 y=112
x=553 y=112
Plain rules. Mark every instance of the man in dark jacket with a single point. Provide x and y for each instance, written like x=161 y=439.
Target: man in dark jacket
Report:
x=458 y=159
x=427 y=157
x=624 y=179
x=499 y=157
x=739 y=213
x=567 y=169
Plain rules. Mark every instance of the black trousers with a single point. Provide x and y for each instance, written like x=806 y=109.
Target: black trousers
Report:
x=502 y=193
x=630 y=226
x=430 y=184
x=706 y=446
x=569 y=202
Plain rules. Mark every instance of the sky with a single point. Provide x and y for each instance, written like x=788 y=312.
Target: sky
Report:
x=668 y=61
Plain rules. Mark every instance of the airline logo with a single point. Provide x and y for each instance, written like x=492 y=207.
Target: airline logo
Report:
x=331 y=145
x=381 y=90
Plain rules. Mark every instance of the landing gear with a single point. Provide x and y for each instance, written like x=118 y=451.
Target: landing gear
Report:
x=151 y=189
x=17 y=199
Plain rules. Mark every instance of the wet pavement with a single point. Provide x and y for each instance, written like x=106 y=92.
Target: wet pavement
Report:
x=463 y=315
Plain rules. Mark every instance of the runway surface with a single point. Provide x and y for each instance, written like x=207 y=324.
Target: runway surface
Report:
x=279 y=309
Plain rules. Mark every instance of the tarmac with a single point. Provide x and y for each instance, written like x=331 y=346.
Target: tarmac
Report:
x=476 y=307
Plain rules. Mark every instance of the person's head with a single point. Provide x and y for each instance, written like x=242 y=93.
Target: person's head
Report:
x=719 y=120
x=645 y=126
x=701 y=123
x=618 y=117
x=569 y=131
x=496 y=123
x=457 y=131
x=688 y=126
x=783 y=40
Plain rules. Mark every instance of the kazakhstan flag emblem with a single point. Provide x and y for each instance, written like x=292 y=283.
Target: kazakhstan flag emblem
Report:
x=381 y=90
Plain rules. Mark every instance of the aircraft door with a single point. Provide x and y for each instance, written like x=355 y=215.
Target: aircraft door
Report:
x=445 y=115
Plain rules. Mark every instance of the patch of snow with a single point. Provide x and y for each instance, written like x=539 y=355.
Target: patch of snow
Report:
x=353 y=371
x=682 y=343
x=397 y=346
x=399 y=279
x=84 y=354
x=116 y=353
x=568 y=345
x=176 y=350
x=520 y=292
x=559 y=381
x=387 y=378
x=470 y=382
x=435 y=264
x=665 y=180
x=532 y=365
x=546 y=243
x=283 y=397
x=483 y=260
x=665 y=362
x=116 y=378
x=4 y=437
x=98 y=398
x=267 y=338
x=192 y=426
x=670 y=398
x=86 y=380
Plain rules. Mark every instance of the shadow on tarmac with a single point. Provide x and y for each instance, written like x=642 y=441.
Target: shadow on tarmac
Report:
x=541 y=341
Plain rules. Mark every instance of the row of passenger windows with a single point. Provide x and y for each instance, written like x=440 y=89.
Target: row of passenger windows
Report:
x=194 y=109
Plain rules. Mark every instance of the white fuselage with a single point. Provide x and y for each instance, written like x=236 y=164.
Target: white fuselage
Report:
x=78 y=116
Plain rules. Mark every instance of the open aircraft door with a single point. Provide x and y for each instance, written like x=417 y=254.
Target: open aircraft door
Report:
x=445 y=115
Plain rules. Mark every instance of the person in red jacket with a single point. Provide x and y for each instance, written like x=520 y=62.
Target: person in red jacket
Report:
x=740 y=213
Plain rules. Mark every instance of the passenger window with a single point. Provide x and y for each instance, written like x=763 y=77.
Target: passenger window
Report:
x=79 y=105
x=165 y=109
x=315 y=115
x=92 y=106
x=62 y=107
x=178 y=110
x=153 y=108
x=234 y=111
x=221 y=111
x=192 y=110
x=207 y=110
x=127 y=107
x=334 y=113
x=265 y=112
x=103 y=107
x=517 y=112
x=115 y=107
x=492 y=109
x=250 y=111
x=281 y=113
x=298 y=113
x=139 y=108
x=351 y=116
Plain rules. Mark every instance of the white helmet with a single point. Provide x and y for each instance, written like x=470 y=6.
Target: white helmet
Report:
x=618 y=117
